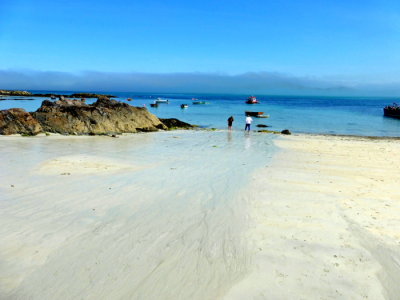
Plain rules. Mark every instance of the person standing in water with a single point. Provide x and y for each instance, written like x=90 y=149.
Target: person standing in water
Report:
x=248 y=123
x=230 y=122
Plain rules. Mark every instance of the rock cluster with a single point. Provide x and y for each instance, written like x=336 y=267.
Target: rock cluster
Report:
x=76 y=117
x=102 y=117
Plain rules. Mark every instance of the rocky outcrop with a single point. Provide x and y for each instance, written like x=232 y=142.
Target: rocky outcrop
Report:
x=102 y=117
x=286 y=131
x=17 y=120
x=67 y=116
x=175 y=123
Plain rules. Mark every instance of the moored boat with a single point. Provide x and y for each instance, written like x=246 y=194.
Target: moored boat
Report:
x=199 y=102
x=160 y=100
x=254 y=113
x=252 y=100
x=184 y=106
x=392 y=111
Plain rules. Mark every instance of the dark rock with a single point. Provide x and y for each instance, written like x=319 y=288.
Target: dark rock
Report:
x=17 y=120
x=268 y=131
x=175 y=124
x=262 y=125
x=286 y=131
x=48 y=103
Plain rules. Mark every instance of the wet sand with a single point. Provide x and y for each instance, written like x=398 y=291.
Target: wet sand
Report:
x=147 y=216
x=199 y=215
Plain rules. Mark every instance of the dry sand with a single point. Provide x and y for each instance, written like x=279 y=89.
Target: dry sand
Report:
x=326 y=221
x=199 y=215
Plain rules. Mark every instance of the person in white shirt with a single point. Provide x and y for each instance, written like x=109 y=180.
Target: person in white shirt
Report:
x=248 y=123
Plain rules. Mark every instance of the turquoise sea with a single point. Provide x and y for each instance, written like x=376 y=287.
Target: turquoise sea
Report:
x=300 y=114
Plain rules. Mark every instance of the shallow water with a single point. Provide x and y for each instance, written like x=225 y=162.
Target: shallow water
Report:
x=327 y=115
x=169 y=228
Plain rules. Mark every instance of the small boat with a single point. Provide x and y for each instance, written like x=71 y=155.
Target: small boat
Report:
x=184 y=106
x=254 y=113
x=199 y=102
x=252 y=100
x=154 y=104
x=392 y=111
x=160 y=100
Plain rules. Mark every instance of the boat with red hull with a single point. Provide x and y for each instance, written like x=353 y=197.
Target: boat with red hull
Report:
x=252 y=100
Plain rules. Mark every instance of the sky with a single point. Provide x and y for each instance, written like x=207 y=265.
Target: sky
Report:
x=237 y=46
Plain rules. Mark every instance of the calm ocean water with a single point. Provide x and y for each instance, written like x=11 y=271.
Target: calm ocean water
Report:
x=326 y=115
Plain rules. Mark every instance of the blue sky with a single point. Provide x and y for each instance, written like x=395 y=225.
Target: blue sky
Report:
x=313 y=44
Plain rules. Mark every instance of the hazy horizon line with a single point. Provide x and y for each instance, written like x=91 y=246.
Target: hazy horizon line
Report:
x=257 y=83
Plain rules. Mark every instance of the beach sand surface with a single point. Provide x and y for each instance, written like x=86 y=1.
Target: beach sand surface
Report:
x=199 y=215
x=145 y=216
x=325 y=221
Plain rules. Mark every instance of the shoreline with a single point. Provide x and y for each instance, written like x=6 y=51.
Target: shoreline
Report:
x=198 y=128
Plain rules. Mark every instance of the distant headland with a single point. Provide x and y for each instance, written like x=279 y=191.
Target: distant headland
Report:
x=75 y=95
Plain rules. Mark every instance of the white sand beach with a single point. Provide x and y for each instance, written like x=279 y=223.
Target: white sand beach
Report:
x=199 y=215
x=325 y=221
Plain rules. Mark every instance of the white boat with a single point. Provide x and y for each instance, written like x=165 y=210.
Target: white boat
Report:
x=160 y=100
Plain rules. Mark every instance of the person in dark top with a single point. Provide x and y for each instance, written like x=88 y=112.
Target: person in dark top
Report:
x=230 y=121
